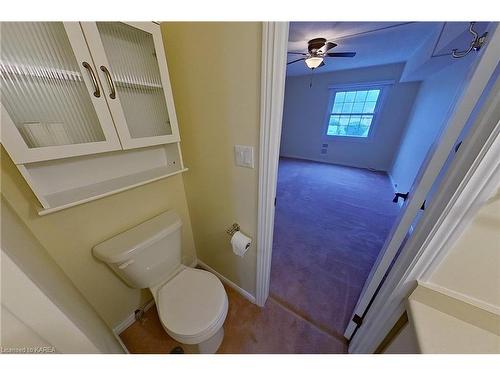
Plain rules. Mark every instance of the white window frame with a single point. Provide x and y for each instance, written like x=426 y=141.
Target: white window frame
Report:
x=383 y=86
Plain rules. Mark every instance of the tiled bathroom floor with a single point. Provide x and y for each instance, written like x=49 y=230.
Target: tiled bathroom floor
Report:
x=248 y=329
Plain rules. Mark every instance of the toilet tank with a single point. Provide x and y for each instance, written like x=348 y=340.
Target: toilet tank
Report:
x=145 y=254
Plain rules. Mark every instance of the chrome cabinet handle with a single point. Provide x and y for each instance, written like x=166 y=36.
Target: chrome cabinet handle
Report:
x=112 y=94
x=97 y=92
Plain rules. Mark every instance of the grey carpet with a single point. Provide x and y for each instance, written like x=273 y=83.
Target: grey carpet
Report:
x=330 y=224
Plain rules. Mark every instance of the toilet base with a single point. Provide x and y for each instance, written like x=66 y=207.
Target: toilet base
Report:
x=209 y=346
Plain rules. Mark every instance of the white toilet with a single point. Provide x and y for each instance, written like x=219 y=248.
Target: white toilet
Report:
x=192 y=304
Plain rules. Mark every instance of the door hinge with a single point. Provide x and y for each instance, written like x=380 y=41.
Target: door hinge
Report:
x=357 y=320
x=274 y=201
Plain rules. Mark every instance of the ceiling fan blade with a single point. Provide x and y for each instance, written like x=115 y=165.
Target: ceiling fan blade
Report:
x=294 y=61
x=328 y=46
x=298 y=53
x=341 y=54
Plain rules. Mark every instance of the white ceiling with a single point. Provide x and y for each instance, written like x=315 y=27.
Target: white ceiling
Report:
x=375 y=43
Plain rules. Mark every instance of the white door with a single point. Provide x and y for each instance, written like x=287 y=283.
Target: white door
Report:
x=432 y=166
x=133 y=69
x=51 y=103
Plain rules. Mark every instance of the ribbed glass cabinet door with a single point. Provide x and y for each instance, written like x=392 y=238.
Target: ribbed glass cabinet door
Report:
x=48 y=93
x=137 y=88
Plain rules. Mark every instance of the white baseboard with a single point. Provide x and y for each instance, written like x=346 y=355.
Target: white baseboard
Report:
x=326 y=161
x=395 y=188
x=118 y=338
x=392 y=182
x=127 y=322
x=119 y=328
x=228 y=282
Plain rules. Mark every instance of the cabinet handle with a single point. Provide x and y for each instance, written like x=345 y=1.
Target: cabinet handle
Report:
x=112 y=94
x=97 y=92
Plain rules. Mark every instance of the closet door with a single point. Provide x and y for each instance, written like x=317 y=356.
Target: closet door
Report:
x=51 y=103
x=133 y=69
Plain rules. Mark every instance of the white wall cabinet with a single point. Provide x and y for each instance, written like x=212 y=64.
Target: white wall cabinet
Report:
x=52 y=105
x=77 y=97
x=73 y=89
x=137 y=91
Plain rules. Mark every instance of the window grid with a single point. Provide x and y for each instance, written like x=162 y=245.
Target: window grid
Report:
x=352 y=113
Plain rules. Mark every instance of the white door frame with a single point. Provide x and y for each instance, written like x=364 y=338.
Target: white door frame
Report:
x=470 y=181
x=482 y=69
x=272 y=96
x=274 y=58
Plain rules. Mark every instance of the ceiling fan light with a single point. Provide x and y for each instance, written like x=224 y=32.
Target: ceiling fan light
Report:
x=313 y=62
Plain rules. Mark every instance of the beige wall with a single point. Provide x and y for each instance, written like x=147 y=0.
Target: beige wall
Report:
x=405 y=342
x=472 y=267
x=14 y=333
x=69 y=235
x=48 y=299
x=215 y=74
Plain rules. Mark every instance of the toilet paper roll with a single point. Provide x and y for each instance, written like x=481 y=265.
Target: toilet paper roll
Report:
x=240 y=243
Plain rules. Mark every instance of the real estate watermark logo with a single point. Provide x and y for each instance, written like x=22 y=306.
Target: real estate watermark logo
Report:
x=28 y=350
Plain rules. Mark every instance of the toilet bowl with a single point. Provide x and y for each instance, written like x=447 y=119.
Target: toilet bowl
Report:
x=192 y=304
x=192 y=307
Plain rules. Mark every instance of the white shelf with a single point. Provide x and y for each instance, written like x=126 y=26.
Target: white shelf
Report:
x=138 y=84
x=68 y=75
x=40 y=72
x=63 y=183
x=73 y=197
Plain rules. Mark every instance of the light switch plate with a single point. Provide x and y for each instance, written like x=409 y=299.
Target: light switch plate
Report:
x=243 y=156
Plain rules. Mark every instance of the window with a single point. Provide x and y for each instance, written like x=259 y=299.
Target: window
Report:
x=352 y=112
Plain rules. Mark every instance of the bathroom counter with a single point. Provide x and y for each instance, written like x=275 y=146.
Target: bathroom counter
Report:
x=446 y=324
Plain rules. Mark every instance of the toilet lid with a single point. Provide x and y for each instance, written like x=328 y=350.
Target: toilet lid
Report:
x=192 y=302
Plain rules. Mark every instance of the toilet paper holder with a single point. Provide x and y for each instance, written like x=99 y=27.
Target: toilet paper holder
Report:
x=233 y=229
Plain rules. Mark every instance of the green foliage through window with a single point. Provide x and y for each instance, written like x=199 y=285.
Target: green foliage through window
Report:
x=352 y=113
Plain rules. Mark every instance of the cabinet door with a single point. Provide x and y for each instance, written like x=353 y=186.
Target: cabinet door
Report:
x=51 y=103
x=133 y=69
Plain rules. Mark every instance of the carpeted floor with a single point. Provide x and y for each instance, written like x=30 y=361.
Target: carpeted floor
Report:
x=247 y=329
x=330 y=224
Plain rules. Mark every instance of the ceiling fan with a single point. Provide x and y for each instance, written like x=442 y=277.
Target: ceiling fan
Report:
x=317 y=51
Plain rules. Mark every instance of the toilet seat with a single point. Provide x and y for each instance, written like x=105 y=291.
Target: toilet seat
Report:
x=192 y=306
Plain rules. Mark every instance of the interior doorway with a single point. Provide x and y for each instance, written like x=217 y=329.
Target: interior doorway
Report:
x=333 y=215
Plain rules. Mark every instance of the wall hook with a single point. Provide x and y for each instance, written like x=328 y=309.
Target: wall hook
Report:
x=475 y=45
